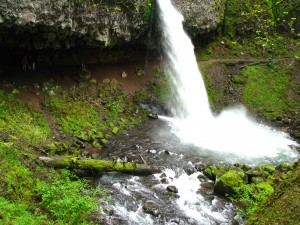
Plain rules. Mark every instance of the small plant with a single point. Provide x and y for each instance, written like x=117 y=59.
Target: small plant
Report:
x=67 y=199
x=249 y=196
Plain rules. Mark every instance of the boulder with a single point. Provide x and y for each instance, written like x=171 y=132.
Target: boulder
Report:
x=211 y=172
x=232 y=179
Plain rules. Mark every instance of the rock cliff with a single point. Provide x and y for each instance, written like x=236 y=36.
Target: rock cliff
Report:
x=42 y=24
x=201 y=16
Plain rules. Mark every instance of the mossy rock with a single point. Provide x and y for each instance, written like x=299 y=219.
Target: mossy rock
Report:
x=211 y=172
x=242 y=166
x=229 y=181
x=268 y=168
x=282 y=207
x=261 y=171
x=283 y=167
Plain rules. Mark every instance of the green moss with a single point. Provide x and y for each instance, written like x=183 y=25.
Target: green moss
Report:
x=21 y=123
x=228 y=182
x=283 y=206
x=268 y=168
x=266 y=89
x=211 y=172
x=15 y=179
x=238 y=79
x=89 y=113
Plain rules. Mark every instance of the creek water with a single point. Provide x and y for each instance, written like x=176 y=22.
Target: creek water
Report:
x=192 y=137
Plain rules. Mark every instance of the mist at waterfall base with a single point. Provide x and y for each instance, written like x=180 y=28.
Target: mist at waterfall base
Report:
x=230 y=132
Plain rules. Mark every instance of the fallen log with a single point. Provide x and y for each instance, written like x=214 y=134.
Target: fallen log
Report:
x=98 y=165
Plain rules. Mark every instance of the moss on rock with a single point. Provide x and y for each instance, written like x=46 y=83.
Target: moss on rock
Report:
x=211 y=172
x=229 y=181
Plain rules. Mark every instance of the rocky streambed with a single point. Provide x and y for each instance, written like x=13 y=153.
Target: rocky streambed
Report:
x=191 y=187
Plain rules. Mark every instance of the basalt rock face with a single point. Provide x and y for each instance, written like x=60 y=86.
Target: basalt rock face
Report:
x=64 y=24
x=42 y=24
x=201 y=16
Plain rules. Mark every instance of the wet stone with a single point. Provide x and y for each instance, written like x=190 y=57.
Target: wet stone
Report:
x=172 y=188
x=176 y=221
x=200 y=166
x=164 y=180
x=202 y=177
x=152 y=116
x=151 y=208
x=137 y=148
x=163 y=175
x=189 y=170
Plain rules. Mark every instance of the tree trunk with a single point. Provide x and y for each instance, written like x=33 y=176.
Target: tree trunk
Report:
x=99 y=166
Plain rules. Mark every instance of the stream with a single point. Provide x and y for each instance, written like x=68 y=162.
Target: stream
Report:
x=146 y=200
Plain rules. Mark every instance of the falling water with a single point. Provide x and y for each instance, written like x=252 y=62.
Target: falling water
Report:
x=182 y=66
x=232 y=131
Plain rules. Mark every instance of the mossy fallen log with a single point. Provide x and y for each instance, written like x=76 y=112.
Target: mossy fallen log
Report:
x=98 y=165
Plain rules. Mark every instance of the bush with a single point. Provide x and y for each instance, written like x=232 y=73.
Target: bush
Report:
x=67 y=199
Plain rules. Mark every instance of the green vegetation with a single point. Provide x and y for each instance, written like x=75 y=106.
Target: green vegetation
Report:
x=282 y=207
x=266 y=88
x=19 y=213
x=21 y=123
x=28 y=199
x=94 y=112
x=251 y=188
x=215 y=91
x=63 y=198
x=251 y=196
x=90 y=113
x=266 y=25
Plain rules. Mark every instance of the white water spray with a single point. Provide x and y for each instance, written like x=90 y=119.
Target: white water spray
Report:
x=182 y=65
x=232 y=131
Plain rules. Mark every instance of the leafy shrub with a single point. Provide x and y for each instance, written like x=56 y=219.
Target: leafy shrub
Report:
x=250 y=196
x=67 y=199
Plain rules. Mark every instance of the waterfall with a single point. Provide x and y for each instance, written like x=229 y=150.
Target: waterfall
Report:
x=190 y=98
x=232 y=131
